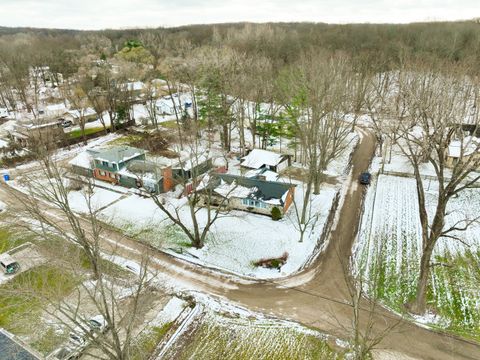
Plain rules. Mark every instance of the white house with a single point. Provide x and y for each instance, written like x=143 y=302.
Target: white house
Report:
x=4 y=113
x=165 y=105
x=54 y=110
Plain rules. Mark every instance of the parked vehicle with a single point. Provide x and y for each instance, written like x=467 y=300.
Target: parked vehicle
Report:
x=95 y=325
x=365 y=178
x=67 y=123
x=65 y=353
x=8 y=264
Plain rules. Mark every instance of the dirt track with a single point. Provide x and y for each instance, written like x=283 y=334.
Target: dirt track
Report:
x=316 y=296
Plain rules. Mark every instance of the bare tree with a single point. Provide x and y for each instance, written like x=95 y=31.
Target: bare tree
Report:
x=436 y=107
x=198 y=195
x=58 y=219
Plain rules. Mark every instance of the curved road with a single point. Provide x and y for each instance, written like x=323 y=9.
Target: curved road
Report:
x=317 y=296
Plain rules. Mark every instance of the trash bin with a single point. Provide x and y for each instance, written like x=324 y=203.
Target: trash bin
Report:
x=6 y=177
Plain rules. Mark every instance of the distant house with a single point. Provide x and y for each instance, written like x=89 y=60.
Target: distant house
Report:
x=42 y=133
x=166 y=105
x=53 y=110
x=249 y=194
x=12 y=348
x=4 y=113
x=258 y=158
x=466 y=149
x=74 y=116
x=136 y=88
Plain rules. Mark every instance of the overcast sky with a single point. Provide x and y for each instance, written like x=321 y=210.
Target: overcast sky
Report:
x=100 y=14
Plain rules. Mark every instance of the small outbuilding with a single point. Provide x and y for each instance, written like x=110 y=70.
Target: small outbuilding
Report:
x=258 y=159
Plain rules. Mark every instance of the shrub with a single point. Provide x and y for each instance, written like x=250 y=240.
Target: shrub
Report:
x=276 y=213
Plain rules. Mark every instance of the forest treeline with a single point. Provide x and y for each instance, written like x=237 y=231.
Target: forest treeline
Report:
x=378 y=45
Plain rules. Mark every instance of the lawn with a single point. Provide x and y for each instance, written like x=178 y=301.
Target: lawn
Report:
x=8 y=240
x=88 y=131
x=389 y=249
x=22 y=298
x=219 y=337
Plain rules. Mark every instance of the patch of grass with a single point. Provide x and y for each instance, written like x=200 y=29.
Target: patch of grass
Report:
x=220 y=338
x=172 y=124
x=126 y=140
x=148 y=341
x=21 y=298
x=9 y=241
x=49 y=341
x=78 y=133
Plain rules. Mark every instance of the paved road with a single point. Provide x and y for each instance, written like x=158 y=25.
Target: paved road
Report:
x=316 y=296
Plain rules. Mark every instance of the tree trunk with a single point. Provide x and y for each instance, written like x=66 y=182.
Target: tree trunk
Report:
x=420 y=303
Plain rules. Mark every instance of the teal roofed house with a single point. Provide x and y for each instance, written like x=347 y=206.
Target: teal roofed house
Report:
x=126 y=166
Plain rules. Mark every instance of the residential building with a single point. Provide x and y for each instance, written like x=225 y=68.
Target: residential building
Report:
x=258 y=159
x=249 y=194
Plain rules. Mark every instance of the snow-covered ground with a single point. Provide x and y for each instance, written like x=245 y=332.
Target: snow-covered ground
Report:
x=389 y=245
x=81 y=202
x=235 y=241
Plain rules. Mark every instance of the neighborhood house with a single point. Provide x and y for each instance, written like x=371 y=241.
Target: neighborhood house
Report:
x=466 y=149
x=127 y=166
x=259 y=158
x=249 y=194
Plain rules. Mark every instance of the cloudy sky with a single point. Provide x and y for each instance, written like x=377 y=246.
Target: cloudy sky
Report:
x=100 y=14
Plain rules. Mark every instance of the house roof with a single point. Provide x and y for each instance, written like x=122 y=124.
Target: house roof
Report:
x=10 y=348
x=116 y=154
x=86 y=112
x=258 y=158
x=228 y=185
x=470 y=144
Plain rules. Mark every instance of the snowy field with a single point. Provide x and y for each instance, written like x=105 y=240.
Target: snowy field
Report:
x=389 y=245
x=234 y=242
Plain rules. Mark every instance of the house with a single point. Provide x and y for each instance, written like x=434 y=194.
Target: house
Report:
x=126 y=166
x=166 y=105
x=470 y=146
x=88 y=114
x=136 y=88
x=258 y=158
x=12 y=348
x=41 y=133
x=4 y=113
x=249 y=194
x=53 y=110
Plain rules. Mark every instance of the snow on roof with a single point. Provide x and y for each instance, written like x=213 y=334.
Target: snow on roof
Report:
x=233 y=190
x=470 y=144
x=258 y=158
x=136 y=85
x=257 y=173
x=82 y=160
x=116 y=154
x=55 y=107
x=86 y=112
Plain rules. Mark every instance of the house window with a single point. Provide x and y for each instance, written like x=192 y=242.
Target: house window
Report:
x=105 y=163
x=102 y=173
x=112 y=175
x=254 y=203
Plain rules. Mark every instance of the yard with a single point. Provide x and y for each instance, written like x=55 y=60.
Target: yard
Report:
x=388 y=253
x=235 y=241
